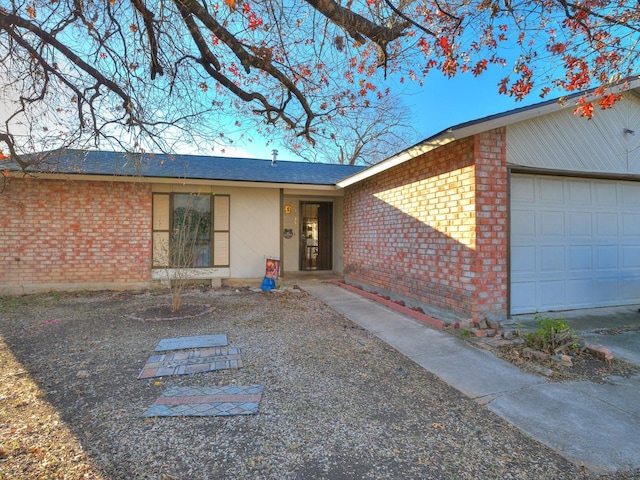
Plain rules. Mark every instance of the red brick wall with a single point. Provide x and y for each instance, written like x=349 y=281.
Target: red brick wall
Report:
x=491 y=270
x=434 y=229
x=65 y=234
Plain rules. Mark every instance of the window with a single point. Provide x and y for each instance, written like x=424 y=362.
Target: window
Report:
x=190 y=230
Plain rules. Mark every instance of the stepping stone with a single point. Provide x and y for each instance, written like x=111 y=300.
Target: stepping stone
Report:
x=199 y=341
x=207 y=401
x=193 y=361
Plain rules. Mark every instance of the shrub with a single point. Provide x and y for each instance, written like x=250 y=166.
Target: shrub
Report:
x=553 y=335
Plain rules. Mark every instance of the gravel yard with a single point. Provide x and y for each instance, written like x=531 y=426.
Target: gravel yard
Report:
x=338 y=403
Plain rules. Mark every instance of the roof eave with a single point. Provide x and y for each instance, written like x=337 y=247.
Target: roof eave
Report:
x=421 y=148
x=474 y=127
x=174 y=180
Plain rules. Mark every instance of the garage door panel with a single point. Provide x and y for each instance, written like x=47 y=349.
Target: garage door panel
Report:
x=629 y=288
x=631 y=257
x=606 y=224
x=553 y=294
x=525 y=224
x=551 y=224
x=579 y=193
x=605 y=290
x=630 y=225
x=523 y=295
x=606 y=193
x=579 y=224
x=550 y=190
x=578 y=292
x=607 y=257
x=551 y=259
x=630 y=194
x=580 y=258
x=523 y=260
x=575 y=243
x=523 y=189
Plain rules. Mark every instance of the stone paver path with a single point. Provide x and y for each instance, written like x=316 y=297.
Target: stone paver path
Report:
x=207 y=401
x=200 y=341
x=191 y=362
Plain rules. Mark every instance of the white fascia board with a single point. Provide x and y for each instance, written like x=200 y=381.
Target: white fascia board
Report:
x=165 y=180
x=507 y=119
x=398 y=159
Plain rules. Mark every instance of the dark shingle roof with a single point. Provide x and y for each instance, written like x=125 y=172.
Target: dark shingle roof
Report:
x=189 y=167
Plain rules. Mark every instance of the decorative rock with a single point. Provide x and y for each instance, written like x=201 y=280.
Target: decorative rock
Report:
x=601 y=352
x=508 y=334
x=535 y=354
x=466 y=324
x=564 y=360
x=491 y=332
x=547 y=372
x=493 y=324
x=478 y=332
x=482 y=324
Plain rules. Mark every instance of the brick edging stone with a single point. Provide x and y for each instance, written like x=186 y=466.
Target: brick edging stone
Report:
x=394 y=305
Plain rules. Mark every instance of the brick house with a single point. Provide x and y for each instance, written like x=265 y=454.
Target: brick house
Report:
x=528 y=211
x=534 y=209
x=436 y=227
x=100 y=220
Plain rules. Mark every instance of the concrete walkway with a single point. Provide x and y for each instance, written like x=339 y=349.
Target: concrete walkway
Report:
x=597 y=426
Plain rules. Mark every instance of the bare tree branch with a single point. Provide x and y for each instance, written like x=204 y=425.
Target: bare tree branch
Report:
x=149 y=73
x=147 y=16
x=8 y=20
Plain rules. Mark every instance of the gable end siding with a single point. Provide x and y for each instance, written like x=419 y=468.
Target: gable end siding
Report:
x=60 y=235
x=434 y=229
x=564 y=142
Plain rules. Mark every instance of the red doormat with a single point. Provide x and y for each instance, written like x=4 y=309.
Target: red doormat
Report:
x=192 y=361
x=207 y=401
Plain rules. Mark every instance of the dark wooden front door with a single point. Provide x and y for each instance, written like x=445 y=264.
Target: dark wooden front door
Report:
x=316 y=236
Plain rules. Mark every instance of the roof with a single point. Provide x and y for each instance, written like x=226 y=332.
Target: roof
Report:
x=192 y=167
x=473 y=127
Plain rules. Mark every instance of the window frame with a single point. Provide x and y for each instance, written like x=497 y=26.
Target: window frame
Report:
x=160 y=260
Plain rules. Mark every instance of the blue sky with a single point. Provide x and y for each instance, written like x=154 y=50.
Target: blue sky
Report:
x=440 y=103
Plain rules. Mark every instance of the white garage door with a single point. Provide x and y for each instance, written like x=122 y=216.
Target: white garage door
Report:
x=575 y=243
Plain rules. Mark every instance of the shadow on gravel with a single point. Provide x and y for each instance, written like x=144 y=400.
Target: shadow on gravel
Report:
x=337 y=401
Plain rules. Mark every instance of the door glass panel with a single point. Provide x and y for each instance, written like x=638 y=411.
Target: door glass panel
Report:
x=315 y=236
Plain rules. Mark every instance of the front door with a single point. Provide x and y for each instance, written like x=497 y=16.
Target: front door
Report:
x=316 y=237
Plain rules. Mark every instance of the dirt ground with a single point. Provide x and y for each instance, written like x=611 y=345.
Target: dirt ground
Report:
x=338 y=403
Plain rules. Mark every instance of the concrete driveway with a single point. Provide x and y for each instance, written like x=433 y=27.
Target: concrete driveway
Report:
x=595 y=426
